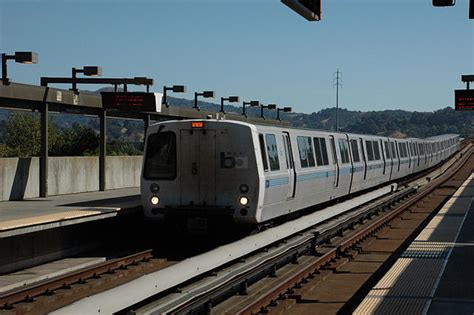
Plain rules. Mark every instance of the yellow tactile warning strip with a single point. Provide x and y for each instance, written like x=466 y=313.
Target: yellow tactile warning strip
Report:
x=410 y=284
x=424 y=249
x=48 y=218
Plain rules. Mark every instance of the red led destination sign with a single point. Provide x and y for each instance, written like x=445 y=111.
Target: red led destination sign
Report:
x=131 y=101
x=464 y=99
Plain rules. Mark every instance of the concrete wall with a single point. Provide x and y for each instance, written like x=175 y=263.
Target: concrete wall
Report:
x=122 y=171
x=19 y=177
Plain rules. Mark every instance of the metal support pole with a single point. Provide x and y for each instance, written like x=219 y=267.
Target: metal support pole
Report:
x=74 y=83
x=147 y=121
x=102 y=149
x=261 y=111
x=196 y=94
x=222 y=105
x=5 y=80
x=337 y=84
x=164 y=98
x=44 y=152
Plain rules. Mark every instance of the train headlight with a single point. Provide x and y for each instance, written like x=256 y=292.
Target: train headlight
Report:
x=244 y=200
x=155 y=200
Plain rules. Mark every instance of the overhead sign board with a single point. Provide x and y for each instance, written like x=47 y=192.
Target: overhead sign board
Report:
x=131 y=101
x=464 y=99
x=309 y=9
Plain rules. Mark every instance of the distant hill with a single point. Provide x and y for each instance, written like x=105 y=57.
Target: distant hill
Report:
x=396 y=123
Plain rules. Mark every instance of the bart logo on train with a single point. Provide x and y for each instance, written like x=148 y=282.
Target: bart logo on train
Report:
x=230 y=160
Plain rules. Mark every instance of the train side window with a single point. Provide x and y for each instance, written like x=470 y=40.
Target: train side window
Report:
x=370 y=150
x=324 y=151
x=387 y=150
x=160 y=159
x=344 y=151
x=302 y=150
x=394 y=150
x=272 y=152
x=333 y=150
x=321 y=151
x=362 y=149
x=286 y=151
x=376 y=150
x=355 y=151
x=263 y=151
x=310 y=152
x=317 y=149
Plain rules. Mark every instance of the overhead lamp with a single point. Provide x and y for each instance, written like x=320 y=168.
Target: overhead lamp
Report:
x=26 y=57
x=174 y=89
x=90 y=71
x=269 y=106
x=251 y=103
x=284 y=109
x=230 y=99
x=205 y=94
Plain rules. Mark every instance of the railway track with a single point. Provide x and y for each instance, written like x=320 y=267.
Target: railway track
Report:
x=293 y=266
x=62 y=290
x=350 y=265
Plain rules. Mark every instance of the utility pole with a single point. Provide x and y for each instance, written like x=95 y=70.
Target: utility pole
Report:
x=337 y=79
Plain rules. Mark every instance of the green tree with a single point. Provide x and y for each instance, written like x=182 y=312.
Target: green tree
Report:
x=23 y=134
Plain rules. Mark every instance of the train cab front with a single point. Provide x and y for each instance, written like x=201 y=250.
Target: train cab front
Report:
x=199 y=171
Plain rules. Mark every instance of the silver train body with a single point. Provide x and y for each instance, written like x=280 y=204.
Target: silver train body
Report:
x=255 y=173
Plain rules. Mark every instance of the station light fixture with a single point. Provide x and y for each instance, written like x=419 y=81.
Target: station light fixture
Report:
x=230 y=99
x=90 y=71
x=269 y=106
x=174 y=89
x=205 y=94
x=251 y=103
x=284 y=109
x=26 y=57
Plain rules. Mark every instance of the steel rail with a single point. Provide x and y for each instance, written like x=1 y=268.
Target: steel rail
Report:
x=8 y=299
x=270 y=296
x=217 y=288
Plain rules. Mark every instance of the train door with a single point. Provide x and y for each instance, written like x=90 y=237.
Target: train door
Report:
x=363 y=157
x=409 y=154
x=399 y=157
x=334 y=161
x=198 y=167
x=383 y=157
x=290 y=165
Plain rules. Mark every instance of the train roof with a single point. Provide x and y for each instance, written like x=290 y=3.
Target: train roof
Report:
x=261 y=126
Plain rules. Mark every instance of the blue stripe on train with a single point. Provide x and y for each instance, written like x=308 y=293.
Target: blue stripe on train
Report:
x=277 y=182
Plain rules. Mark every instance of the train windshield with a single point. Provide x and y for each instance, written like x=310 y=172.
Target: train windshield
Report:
x=160 y=160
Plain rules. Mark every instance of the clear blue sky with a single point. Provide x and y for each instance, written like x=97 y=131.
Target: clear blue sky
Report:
x=394 y=54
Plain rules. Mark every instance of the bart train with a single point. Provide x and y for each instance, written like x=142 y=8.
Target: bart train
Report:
x=255 y=173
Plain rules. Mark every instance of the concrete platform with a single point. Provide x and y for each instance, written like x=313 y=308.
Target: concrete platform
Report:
x=37 y=274
x=435 y=275
x=38 y=214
